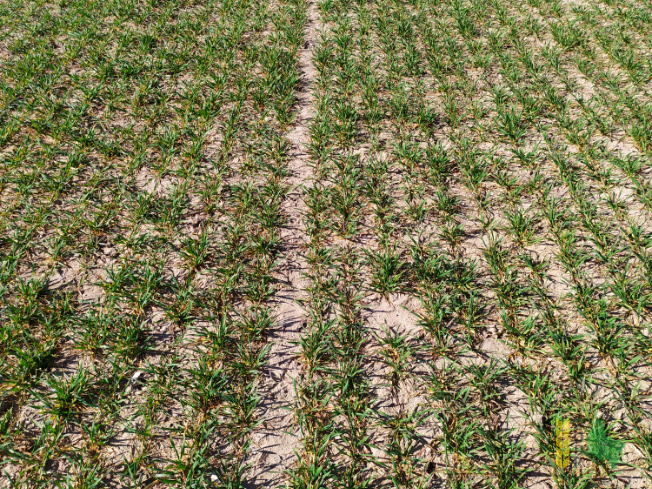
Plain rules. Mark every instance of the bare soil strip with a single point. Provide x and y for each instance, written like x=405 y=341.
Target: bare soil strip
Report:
x=277 y=441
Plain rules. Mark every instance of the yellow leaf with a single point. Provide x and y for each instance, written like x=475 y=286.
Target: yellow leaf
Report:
x=562 y=443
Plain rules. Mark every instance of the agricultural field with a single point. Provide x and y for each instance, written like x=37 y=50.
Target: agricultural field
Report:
x=327 y=244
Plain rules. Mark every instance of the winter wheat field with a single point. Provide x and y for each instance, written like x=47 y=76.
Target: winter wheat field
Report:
x=325 y=244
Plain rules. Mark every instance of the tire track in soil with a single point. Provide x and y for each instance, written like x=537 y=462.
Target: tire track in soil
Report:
x=275 y=441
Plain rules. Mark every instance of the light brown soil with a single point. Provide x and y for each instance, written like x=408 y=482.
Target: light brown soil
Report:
x=277 y=441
